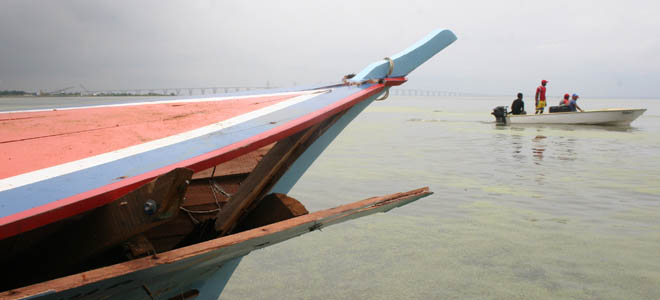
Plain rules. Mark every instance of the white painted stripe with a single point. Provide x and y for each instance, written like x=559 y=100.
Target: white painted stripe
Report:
x=85 y=163
x=209 y=99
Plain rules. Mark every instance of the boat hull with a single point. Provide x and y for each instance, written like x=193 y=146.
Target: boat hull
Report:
x=614 y=117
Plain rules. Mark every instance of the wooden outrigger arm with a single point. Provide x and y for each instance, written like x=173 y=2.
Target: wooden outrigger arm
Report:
x=123 y=278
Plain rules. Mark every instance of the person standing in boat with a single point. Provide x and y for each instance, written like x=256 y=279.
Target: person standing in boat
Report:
x=518 y=106
x=573 y=103
x=540 y=97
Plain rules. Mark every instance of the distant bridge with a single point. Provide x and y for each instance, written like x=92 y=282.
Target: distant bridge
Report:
x=436 y=93
x=177 y=91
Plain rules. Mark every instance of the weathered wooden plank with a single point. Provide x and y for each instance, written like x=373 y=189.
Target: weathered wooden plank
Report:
x=272 y=209
x=200 y=200
x=241 y=165
x=128 y=216
x=267 y=172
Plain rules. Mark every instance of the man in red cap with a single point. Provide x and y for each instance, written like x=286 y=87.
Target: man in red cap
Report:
x=540 y=97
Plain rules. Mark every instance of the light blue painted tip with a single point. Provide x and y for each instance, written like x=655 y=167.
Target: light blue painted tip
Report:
x=408 y=60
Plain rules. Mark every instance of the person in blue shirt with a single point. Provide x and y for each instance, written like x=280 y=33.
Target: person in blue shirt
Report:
x=573 y=103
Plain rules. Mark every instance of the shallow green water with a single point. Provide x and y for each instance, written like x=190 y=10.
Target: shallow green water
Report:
x=519 y=212
x=533 y=212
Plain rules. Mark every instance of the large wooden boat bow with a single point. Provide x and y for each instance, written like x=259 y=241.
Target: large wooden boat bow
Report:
x=161 y=198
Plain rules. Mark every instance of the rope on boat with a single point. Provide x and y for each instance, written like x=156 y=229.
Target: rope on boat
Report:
x=389 y=72
x=215 y=190
x=199 y=211
x=391 y=62
x=390 y=69
x=385 y=95
x=192 y=218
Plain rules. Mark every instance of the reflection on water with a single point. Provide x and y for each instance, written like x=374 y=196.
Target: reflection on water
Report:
x=567 y=146
x=538 y=148
x=517 y=144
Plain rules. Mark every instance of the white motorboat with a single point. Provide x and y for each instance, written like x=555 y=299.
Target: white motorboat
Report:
x=611 y=116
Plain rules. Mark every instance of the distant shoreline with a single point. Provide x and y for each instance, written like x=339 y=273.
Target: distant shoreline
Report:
x=86 y=96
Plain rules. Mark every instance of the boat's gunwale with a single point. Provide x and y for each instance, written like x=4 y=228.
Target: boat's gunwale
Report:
x=53 y=211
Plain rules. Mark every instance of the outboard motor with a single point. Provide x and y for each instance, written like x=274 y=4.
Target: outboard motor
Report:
x=500 y=114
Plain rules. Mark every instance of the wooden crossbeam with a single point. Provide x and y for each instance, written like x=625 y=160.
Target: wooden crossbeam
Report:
x=267 y=173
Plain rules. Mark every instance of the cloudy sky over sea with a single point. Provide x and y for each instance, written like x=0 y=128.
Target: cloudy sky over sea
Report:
x=595 y=48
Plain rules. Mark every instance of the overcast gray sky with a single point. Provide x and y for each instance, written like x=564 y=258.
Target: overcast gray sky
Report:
x=595 y=48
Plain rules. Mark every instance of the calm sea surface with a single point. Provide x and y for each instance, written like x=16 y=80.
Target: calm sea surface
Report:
x=519 y=212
